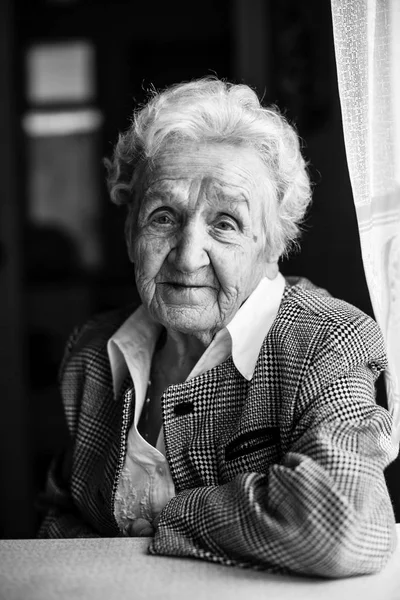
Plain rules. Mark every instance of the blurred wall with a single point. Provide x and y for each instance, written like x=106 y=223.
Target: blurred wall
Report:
x=16 y=508
x=284 y=50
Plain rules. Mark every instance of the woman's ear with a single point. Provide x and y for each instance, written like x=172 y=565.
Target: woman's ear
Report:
x=271 y=268
x=271 y=257
x=130 y=231
x=130 y=251
x=271 y=261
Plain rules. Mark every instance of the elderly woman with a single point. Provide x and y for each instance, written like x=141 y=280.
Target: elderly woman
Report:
x=231 y=416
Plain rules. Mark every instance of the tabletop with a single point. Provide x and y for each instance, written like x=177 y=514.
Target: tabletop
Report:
x=107 y=569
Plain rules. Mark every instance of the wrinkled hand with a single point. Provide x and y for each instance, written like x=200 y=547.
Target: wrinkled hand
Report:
x=141 y=528
x=155 y=522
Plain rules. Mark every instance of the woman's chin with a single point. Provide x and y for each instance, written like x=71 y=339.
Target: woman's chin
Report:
x=190 y=320
x=182 y=296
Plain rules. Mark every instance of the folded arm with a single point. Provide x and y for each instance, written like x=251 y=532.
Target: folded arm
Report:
x=323 y=510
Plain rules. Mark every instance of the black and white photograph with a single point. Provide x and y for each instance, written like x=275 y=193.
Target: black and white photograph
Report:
x=200 y=300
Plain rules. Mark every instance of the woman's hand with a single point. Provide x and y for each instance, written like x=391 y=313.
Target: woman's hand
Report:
x=141 y=528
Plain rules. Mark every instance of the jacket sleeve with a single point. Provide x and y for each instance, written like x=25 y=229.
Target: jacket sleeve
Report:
x=324 y=509
x=61 y=518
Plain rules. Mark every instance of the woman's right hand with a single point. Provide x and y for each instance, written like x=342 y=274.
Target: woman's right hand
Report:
x=141 y=528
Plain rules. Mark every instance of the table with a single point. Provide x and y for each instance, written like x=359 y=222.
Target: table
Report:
x=120 y=568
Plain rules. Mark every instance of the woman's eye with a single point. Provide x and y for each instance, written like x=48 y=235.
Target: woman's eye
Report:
x=226 y=224
x=162 y=219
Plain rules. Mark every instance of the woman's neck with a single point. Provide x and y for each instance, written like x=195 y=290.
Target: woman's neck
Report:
x=177 y=357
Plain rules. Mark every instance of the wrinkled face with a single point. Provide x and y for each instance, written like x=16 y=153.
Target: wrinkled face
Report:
x=199 y=246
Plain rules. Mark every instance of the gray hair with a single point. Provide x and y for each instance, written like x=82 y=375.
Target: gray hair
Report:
x=211 y=110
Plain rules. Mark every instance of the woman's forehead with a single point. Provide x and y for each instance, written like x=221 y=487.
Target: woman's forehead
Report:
x=181 y=186
x=238 y=169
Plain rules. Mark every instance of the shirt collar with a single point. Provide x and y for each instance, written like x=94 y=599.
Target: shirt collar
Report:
x=131 y=347
x=252 y=322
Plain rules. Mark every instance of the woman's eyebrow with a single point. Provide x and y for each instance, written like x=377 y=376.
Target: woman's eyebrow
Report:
x=157 y=190
x=151 y=196
x=230 y=198
x=160 y=192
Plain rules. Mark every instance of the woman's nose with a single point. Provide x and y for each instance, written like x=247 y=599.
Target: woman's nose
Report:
x=190 y=252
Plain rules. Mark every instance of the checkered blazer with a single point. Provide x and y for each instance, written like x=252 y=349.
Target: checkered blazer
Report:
x=283 y=472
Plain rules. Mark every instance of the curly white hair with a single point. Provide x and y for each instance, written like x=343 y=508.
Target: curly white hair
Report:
x=212 y=110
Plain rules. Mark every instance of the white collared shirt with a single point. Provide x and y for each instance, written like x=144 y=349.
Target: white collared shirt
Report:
x=145 y=484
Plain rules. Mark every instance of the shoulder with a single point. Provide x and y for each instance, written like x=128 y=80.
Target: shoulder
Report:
x=98 y=329
x=314 y=304
x=314 y=323
x=86 y=349
x=85 y=373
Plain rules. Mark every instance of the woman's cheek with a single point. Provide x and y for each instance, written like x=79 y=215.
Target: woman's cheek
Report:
x=150 y=253
x=229 y=264
x=137 y=250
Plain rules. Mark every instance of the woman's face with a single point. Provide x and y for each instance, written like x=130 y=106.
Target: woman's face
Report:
x=199 y=246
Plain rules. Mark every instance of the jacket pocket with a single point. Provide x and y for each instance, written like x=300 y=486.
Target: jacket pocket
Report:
x=252 y=441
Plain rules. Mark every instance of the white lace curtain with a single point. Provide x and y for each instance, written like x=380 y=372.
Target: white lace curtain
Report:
x=367 y=48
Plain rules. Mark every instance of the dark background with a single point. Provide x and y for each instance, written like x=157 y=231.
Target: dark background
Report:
x=284 y=49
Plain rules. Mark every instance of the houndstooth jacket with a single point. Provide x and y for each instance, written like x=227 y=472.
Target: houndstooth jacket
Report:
x=283 y=472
